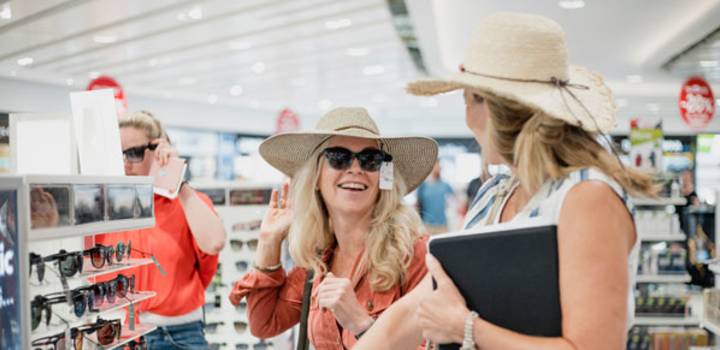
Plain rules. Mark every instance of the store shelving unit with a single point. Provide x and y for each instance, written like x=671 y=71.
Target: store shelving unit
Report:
x=680 y=278
x=241 y=207
x=666 y=321
x=59 y=212
x=650 y=237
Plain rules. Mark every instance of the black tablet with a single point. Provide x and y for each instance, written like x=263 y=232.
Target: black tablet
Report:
x=507 y=274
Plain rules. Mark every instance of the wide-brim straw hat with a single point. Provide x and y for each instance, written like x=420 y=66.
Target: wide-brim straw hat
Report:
x=524 y=58
x=414 y=157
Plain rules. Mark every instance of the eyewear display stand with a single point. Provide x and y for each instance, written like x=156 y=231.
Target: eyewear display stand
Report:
x=44 y=215
x=241 y=207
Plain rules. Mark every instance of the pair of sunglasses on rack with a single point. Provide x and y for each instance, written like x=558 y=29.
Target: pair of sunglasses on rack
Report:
x=341 y=158
x=101 y=254
x=108 y=331
x=139 y=344
x=137 y=154
x=71 y=263
x=84 y=299
x=237 y=244
x=257 y=346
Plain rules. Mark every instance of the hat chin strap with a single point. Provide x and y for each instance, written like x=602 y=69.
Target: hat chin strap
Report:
x=564 y=86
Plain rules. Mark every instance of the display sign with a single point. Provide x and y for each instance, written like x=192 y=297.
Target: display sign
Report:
x=286 y=121
x=697 y=104
x=646 y=139
x=106 y=82
x=10 y=279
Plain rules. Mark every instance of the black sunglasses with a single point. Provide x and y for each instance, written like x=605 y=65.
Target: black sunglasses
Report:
x=340 y=158
x=139 y=344
x=69 y=263
x=137 y=154
x=82 y=301
x=39 y=263
x=212 y=327
x=100 y=254
x=109 y=290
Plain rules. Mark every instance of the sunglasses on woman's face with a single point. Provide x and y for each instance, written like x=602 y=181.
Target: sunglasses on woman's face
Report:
x=341 y=158
x=137 y=154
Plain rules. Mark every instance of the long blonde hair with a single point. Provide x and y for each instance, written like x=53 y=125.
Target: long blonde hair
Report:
x=389 y=243
x=541 y=147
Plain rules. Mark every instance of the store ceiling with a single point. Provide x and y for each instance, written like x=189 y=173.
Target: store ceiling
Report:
x=311 y=55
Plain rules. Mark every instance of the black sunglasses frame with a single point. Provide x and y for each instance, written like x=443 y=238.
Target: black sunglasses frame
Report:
x=370 y=159
x=137 y=154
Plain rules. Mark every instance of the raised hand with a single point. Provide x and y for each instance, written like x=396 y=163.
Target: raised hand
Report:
x=277 y=219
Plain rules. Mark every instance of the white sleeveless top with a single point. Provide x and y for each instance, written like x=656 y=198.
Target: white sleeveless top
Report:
x=546 y=205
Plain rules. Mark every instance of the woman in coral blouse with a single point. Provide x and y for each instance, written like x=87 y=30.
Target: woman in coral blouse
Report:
x=343 y=222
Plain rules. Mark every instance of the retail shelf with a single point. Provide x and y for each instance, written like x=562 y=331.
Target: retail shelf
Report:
x=659 y=201
x=680 y=278
x=662 y=237
x=52 y=275
x=89 y=317
x=666 y=321
x=128 y=335
x=715 y=329
x=90 y=229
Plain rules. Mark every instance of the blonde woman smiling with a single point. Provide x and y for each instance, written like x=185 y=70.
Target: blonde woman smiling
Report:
x=344 y=223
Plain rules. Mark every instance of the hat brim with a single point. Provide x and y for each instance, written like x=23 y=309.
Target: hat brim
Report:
x=596 y=98
x=414 y=157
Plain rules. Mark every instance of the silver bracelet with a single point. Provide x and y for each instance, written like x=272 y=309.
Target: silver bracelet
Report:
x=468 y=341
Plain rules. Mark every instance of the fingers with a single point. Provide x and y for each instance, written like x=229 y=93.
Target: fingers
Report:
x=285 y=191
x=437 y=271
x=273 y=199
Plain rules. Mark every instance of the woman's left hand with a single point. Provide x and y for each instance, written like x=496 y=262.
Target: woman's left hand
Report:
x=441 y=314
x=164 y=151
x=337 y=294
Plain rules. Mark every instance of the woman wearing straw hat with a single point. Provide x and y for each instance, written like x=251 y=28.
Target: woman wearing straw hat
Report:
x=350 y=228
x=528 y=108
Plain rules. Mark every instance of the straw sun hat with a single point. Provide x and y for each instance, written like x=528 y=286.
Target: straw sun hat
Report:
x=414 y=157
x=523 y=57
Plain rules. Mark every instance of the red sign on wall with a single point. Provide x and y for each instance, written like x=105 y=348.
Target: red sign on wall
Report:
x=697 y=103
x=106 y=82
x=286 y=121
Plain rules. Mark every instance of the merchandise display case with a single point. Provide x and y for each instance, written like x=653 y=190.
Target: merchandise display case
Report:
x=241 y=207
x=48 y=222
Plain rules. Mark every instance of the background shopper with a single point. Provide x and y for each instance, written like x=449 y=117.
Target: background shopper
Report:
x=432 y=199
x=370 y=250
x=186 y=239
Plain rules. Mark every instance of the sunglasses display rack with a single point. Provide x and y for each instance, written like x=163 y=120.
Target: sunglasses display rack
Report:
x=56 y=217
x=241 y=207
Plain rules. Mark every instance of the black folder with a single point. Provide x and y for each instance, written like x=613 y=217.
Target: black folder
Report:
x=509 y=276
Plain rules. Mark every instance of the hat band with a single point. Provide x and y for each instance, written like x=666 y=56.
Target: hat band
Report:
x=356 y=127
x=564 y=86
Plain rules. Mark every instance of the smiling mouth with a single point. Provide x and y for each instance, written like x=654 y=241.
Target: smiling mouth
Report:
x=352 y=186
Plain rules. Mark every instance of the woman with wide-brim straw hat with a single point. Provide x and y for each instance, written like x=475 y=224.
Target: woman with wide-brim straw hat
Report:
x=344 y=220
x=531 y=110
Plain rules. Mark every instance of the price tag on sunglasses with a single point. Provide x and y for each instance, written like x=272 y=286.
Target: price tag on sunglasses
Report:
x=131 y=316
x=157 y=264
x=386 y=176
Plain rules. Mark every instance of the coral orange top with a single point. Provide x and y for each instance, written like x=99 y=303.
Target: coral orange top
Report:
x=188 y=270
x=275 y=300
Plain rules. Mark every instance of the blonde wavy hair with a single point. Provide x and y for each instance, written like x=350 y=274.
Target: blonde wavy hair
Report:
x=144 y=121
x=541 y=147
x=388 y=246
